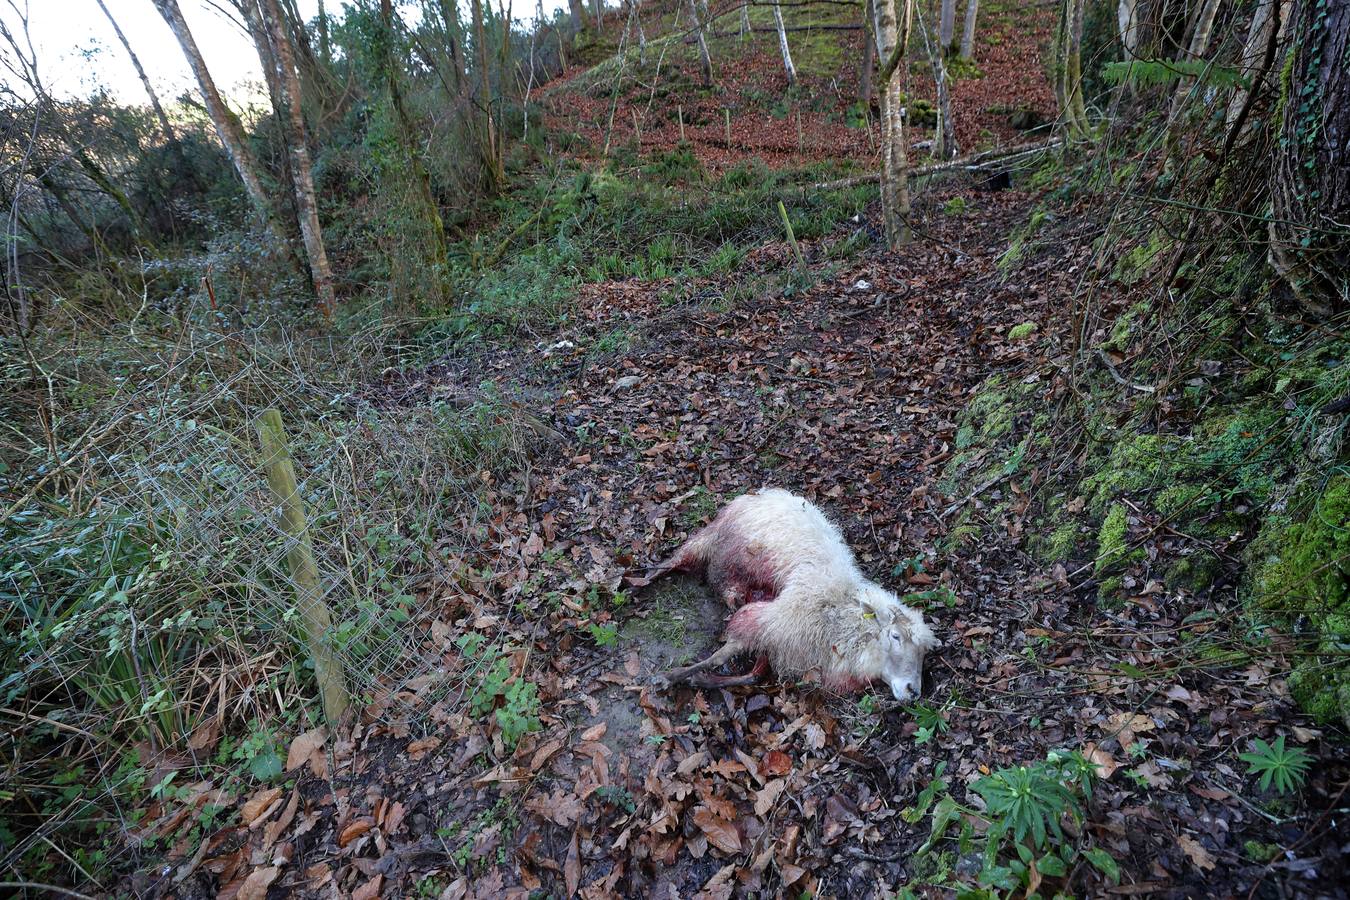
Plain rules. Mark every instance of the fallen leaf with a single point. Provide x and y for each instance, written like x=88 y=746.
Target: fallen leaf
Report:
x=354 y=830
x=595 y=732
x=544 y=753
x=768 y=796
x=572 y=867
x=257 y=804
x=420 y=748
x=720 y=832
x=304 y=746
x=256 y=884
x=370 y=890
x=775 y=763
x=1196 y=851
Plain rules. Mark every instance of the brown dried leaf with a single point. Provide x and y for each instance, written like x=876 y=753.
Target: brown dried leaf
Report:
x=768 y=796
x=1197 y=853
x=257 y=804
x=256 y=884
x=370 y=890
x=304 y=746
x=572 y=866
x=775 y=763
x=354 y=830
x=595 y=732
x=720 y=832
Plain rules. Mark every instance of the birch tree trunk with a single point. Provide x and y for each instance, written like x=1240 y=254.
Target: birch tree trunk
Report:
x=703 y=54
x=893 y=27
x=227 y=124
x=1199 y=43
x=164 y=124
x=306 y=207
x=968 y=30
x=946 y=25
x=598 y=10
x=1269 y=14
x=783 y=45
x=745 y=19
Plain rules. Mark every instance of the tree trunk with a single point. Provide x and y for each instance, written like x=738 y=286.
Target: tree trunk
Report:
x=783 y=46
x=1199 y=44
x=431 y=213
x=745 y=19
x=165 y=125
x=968 y=30
x=306 y=207
x=578 y=9
x=893 y=27
x=1127 y=26
x=454 y=36
x=491 y=153
x=869 y=58
x=946 y=25
x=1069 y=69
x=1269 y=15
x=598 y=10
x=635 y=22
x=1310 y=190
x=704 y=57
x=226 y=123
x=325 y=45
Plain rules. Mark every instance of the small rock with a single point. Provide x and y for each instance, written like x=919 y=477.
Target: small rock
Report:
x=627 y=381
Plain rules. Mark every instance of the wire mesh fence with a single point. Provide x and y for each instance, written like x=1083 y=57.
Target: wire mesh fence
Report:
x=148 y=601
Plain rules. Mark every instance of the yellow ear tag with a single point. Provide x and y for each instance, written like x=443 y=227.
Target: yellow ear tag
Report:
x=869 y=615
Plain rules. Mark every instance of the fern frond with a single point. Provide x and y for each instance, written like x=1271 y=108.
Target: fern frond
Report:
x=1154 y=72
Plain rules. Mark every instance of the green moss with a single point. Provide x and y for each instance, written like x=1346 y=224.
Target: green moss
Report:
x=1058 y=546
x=1195 y=572
x=1135 y=463
x=1259 y=852
x=1305 y=567
x=1112 y=538
x=1017 y=332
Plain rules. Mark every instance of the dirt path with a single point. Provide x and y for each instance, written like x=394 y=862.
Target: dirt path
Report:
x=848 y=393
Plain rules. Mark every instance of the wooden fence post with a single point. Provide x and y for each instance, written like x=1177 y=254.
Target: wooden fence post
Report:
x=792 y=238
x=314 y=614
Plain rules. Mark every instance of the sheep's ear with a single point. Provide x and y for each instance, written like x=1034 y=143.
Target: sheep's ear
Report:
x=874 y=611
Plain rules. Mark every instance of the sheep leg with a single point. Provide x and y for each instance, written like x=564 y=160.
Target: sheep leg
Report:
x=727 y=651
x=715 y=681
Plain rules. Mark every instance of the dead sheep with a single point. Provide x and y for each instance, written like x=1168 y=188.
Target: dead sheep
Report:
x=801 y=602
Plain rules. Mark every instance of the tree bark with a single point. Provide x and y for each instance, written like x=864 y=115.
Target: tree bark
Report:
x=1268 y=15
x=946 y=25
x=165 y=125
x=968 y=30
x=893 y=27
x=1199 y=44
x=227 y=124
x=869 y=56
x=745 y=19
x=1310 y=190
x=704 y=57
x=598 y=10
x=578 y=10
x=325 y=45
x=454 y=36
x=491 y=152
x=431 y=213
x=306 y=206
x=1069 y=69
x=783 y=46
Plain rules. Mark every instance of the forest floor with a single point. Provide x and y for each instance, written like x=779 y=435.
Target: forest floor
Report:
x=847 y=391
x=665 y=401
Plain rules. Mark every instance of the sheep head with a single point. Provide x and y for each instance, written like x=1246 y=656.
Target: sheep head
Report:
x=903 y=640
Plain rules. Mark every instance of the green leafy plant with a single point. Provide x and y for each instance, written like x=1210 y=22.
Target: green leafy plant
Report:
x=931 y=720
x=1283 y=767
x=1025 y=808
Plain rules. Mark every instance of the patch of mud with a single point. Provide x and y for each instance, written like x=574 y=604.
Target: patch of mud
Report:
x=676 y=621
